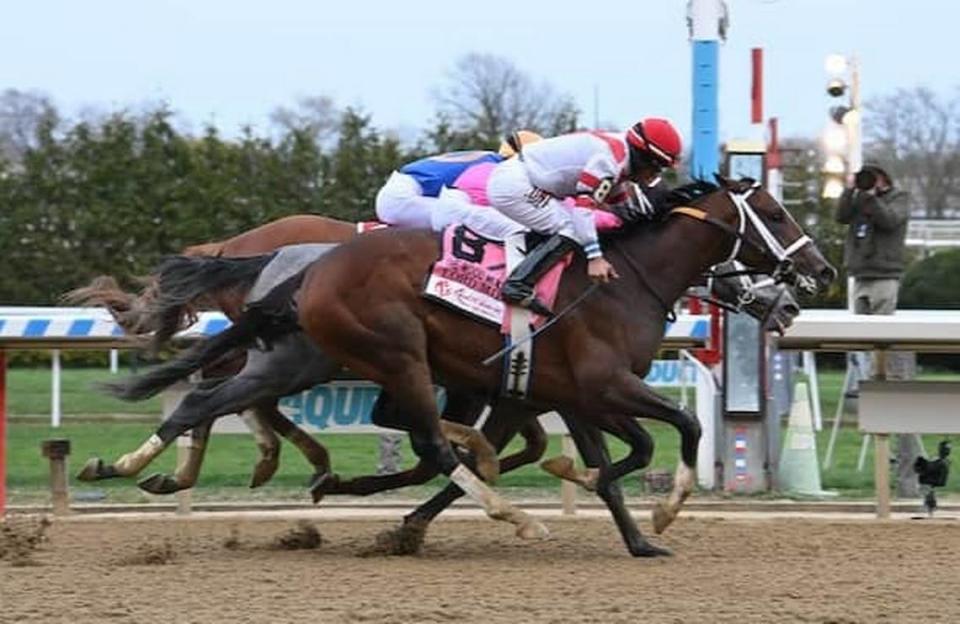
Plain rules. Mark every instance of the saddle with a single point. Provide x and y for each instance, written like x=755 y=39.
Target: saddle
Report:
x=471 y=269
x=467 y=277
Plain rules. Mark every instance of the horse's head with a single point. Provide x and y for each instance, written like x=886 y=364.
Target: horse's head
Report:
x=763 y=234
x=771 y=304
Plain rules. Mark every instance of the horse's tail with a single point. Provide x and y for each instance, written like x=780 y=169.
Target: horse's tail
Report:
x=139 y=387
x=129 y=310
x=183 y=282
x=267 y=319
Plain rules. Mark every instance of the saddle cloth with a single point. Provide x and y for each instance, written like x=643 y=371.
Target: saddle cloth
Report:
x=469 y=273
x=287 y=262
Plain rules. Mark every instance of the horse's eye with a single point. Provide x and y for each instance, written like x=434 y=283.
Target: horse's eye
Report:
x=777 y=216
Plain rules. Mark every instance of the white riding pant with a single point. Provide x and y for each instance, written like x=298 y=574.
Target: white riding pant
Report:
x=401 y=202
x=455 y=207
x=511 y=192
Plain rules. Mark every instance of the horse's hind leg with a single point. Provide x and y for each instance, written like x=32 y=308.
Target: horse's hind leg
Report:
x=500 y=428
x=268 y=445
x=406 y=377
x=313 y=451
x=292 y=365
x=462 y=409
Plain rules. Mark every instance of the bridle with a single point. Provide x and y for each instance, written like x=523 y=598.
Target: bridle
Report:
x=772 y=248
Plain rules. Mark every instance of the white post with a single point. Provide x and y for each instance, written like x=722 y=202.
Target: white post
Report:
x=706 y=414
x=855 y=134
x=114 y=361
x=810 y=368
x=55 y=389
x=568 y=490
x=184 y=497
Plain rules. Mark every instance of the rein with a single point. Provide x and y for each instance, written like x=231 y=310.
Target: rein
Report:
x=668 y=309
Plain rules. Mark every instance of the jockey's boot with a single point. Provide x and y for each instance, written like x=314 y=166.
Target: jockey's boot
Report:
x=519 y=289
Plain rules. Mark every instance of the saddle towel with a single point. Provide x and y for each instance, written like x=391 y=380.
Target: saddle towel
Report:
x=470 y=271
x=287 y=262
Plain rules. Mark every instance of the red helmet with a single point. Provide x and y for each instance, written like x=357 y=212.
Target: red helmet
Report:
x=657 y=138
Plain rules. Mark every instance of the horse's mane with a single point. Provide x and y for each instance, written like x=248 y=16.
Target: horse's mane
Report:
x=690 y=193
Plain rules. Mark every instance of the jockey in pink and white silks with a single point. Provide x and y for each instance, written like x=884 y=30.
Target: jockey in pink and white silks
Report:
x=471 y=190
x=596 y=169
x=414 y=195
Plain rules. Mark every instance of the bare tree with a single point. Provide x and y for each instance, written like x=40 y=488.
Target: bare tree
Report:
x=489 y=96
x=315 y=114
x=21 y=113
x=916 y=134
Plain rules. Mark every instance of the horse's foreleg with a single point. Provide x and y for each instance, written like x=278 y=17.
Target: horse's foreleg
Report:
x=630 y=395
x=593 y=449
x=535 y=446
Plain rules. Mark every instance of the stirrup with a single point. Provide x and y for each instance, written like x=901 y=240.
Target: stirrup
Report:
x=520 y=294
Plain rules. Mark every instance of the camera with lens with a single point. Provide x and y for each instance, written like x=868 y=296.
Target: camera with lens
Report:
x=865 y=179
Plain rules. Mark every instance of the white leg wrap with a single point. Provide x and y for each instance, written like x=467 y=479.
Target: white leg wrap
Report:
x=495 y=506
x=133 y=462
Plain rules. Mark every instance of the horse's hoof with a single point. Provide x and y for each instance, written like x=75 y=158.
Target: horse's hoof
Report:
x=646 y=549
x=533 y=529
x=661 y=518
x=158 y=483
x=560 y=466
x=263 y=472
x=318 y=485
x=95 y=470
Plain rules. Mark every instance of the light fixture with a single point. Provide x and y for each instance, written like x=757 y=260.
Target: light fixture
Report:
x=844 y=115
x=835 y=139
x=836 y=87
x=835 y=64
x=832 y=188
x=834 y=164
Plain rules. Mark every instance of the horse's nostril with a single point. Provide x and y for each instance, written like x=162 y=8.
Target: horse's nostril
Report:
x=828 y=274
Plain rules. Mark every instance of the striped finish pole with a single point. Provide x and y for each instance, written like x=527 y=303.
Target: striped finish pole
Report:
x=706 y=19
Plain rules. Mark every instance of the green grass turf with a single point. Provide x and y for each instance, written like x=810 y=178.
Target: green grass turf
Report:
x=29 y=393
x=230 y=458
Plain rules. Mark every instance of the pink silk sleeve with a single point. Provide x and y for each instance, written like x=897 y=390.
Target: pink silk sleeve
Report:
x=606 y=221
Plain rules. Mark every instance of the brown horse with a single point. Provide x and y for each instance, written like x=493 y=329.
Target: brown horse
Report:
x=361 y=306
x=462 y=408
x=142 y=314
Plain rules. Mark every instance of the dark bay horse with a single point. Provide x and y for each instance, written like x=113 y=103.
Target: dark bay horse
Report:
x=141 y=313
x=360 y=305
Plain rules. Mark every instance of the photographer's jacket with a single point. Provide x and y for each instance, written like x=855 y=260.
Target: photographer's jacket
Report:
x=878 y=229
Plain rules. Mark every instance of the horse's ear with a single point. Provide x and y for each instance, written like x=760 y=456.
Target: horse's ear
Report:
x=721 y=180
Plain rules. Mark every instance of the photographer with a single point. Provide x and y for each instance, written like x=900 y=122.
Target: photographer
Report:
x=877 y=213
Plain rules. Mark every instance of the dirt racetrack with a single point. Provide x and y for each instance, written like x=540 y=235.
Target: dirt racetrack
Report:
x=476 y=571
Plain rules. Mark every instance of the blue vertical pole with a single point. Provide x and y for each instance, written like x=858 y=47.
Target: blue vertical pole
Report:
x=704 y=161
x=706 y=18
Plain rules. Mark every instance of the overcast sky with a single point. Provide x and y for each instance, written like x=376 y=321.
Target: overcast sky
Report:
x=232 y=61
